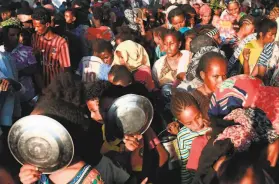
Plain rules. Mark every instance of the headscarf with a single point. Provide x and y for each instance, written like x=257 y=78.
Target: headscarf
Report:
x=253 y=126
x=11 y=22
x=130 y=16
x=228 y=2
x=205 y=9
x=246 y=91
x=133 y=54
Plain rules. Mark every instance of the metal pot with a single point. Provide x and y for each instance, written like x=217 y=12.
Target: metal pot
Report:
x=171 y=145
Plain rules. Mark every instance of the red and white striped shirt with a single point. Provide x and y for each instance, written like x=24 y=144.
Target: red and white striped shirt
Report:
x=54 y=55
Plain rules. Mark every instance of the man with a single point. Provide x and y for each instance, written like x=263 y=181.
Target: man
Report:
x=53 y=49
x=24 y=59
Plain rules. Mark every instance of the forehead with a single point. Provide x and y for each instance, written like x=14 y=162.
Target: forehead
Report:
x=233 y=6
x=37 y=22
x=178 y=17
x=189 y=113
x=216 y=64
x=170 y=37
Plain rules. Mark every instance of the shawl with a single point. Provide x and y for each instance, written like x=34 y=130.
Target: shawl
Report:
x=253 y=126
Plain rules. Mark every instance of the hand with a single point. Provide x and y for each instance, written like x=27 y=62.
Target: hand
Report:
x=4 y=85
x=144 y=181
x=272 y=153
x=132 y=142
x=173 y=128
x=246 y=54
x=29 y=174
x=218 y=163
x=139 y=21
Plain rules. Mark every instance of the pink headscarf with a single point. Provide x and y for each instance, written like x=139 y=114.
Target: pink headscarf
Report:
x=205 y=9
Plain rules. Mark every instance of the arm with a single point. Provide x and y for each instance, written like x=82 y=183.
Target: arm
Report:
x=246 y=57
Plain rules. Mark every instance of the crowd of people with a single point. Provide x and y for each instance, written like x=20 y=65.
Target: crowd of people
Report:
x=209 y=68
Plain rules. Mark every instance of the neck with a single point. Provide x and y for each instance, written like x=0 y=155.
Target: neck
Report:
x=240 y=34
x=175 y=57
x=204 y=90
x=260 y=42
x=49 y=35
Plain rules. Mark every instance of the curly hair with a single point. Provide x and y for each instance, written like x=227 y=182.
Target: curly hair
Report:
x=65 y=87
x=94 y=90
x=41 y=14
x=180 y=100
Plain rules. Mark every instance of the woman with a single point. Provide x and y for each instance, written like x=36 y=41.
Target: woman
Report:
x=178 y=20
x=266 y=33
x=174 y=64
x=205 y=15
x=136 y=59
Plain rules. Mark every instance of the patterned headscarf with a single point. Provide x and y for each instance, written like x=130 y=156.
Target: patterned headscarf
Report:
x=11 y=22
x=253 y=126
x=134 y=55
x=246 y=91
x=212 y=32
x=228 y=2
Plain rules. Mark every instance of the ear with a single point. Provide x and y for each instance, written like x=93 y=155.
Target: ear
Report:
x=74 y=18
x=47 y=24
x=180 y=43
x=202 y=74
x=261 y=34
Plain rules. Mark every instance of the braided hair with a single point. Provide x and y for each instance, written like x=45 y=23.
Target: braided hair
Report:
x=180 y=100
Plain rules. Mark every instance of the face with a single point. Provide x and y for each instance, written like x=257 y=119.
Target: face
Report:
x=120 y=57
x=218 y=11
x=215 y=74
x=248 y=29
x=106 y=56
x=233 y=9
x=69 y=17
x=12 y=40
x=192 y=118
x=178 y=22
x=206 y=18
x=93 y=107
x=269 y=37
x=118 y=41
x=188 y=43
x=171 y=45
x=192 y=19
x=41 y=29
x=110 y=78
x=217 y=38
x=272 y=16
x=6 y=15
x=197 y=7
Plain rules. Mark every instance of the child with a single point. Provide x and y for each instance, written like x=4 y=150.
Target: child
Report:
x=185 y=108
x=205 y=15
x=158 y=34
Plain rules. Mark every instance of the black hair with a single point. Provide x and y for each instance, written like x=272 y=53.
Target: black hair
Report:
x=201 y=41
x=205 y=61
x=175 y=12
x=72 y=118
x=160 y=31
x=5 y=9
x=174 y=33
x=125 y=34
x=94 y=90
x=181 y=99
x=121 y=73
x=72 y=10
x=246 y=19
x=101 y=45
x=190 y=33
x=234 y=169
x=265 y=25
x=66 y=88
x=24 y=11
x=41 y=14
x=188 y=9
x=98 y=14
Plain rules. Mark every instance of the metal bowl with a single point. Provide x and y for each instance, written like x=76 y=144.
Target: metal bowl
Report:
x=41 y=141
x=131 y=113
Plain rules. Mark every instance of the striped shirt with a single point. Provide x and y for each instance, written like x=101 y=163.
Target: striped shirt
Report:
x=54 y=55
x=185 y=138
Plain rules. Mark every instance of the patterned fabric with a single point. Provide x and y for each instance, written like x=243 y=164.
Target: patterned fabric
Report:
x=24 y=57
x=266 y=54
x=212 y=32
x=54 y=55
x=86 y=175
x=162 y=72
x=102 y=32
x=11 y=22
x=254 y=126
x=130 y=15
x=235 y=92
x=246 y=91
x=191 y=72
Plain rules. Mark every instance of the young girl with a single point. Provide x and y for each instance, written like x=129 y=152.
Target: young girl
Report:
x=169 y=67
x=187 y=111
x=178 y=20
x=158 y=35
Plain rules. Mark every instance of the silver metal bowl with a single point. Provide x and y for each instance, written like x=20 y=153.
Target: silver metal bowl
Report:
x=133 y=114
x=41 y=141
